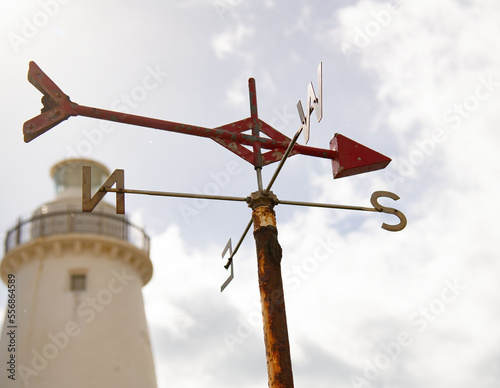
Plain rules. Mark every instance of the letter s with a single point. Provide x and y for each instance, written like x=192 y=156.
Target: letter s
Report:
x=402 y=219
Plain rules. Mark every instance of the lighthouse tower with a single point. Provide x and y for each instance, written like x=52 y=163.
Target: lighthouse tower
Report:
x=75 y=313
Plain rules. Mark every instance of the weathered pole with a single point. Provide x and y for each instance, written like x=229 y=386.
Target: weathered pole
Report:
x=279 y=364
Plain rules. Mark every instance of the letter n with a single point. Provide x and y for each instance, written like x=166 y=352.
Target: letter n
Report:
x=89 y=202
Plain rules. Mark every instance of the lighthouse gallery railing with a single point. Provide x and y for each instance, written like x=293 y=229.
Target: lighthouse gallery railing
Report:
x=63 y=222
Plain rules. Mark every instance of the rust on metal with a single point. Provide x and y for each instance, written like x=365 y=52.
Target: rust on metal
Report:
x=269 y=254
x=263 y=217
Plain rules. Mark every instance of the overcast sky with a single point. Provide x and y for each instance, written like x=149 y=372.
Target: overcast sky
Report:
x=418 y=81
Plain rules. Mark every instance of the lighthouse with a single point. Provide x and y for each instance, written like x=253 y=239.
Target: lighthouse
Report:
x=75 y=313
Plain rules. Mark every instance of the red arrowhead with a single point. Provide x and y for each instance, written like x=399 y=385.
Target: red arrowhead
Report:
x=354 y=158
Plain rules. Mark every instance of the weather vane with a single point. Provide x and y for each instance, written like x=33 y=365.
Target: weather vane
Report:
x=348 y=158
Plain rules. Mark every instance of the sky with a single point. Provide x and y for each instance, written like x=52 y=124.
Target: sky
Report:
x=415 y=80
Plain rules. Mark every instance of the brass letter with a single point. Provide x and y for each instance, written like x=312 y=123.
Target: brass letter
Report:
x=89 y=202
x=389 y=210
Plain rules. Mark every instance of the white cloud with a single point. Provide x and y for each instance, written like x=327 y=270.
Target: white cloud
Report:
x=228 y=42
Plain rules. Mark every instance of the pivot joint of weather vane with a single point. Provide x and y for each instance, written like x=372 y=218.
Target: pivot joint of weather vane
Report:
x=262 y=198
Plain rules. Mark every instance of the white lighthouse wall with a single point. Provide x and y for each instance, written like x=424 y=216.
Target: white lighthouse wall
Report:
x=90 y=338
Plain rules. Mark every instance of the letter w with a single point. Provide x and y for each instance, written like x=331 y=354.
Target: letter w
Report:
x=89 y=202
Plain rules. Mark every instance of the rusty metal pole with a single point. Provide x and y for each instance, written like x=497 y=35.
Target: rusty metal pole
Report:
x=279 y=364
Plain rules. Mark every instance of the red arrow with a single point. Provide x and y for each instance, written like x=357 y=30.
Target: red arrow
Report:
x=57 y=107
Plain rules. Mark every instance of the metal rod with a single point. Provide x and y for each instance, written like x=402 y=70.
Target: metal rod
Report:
x=170 y=194
x=170 y=126
x=259 y=178
x=237 y=199
x=283 y=159
x=328 y=205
